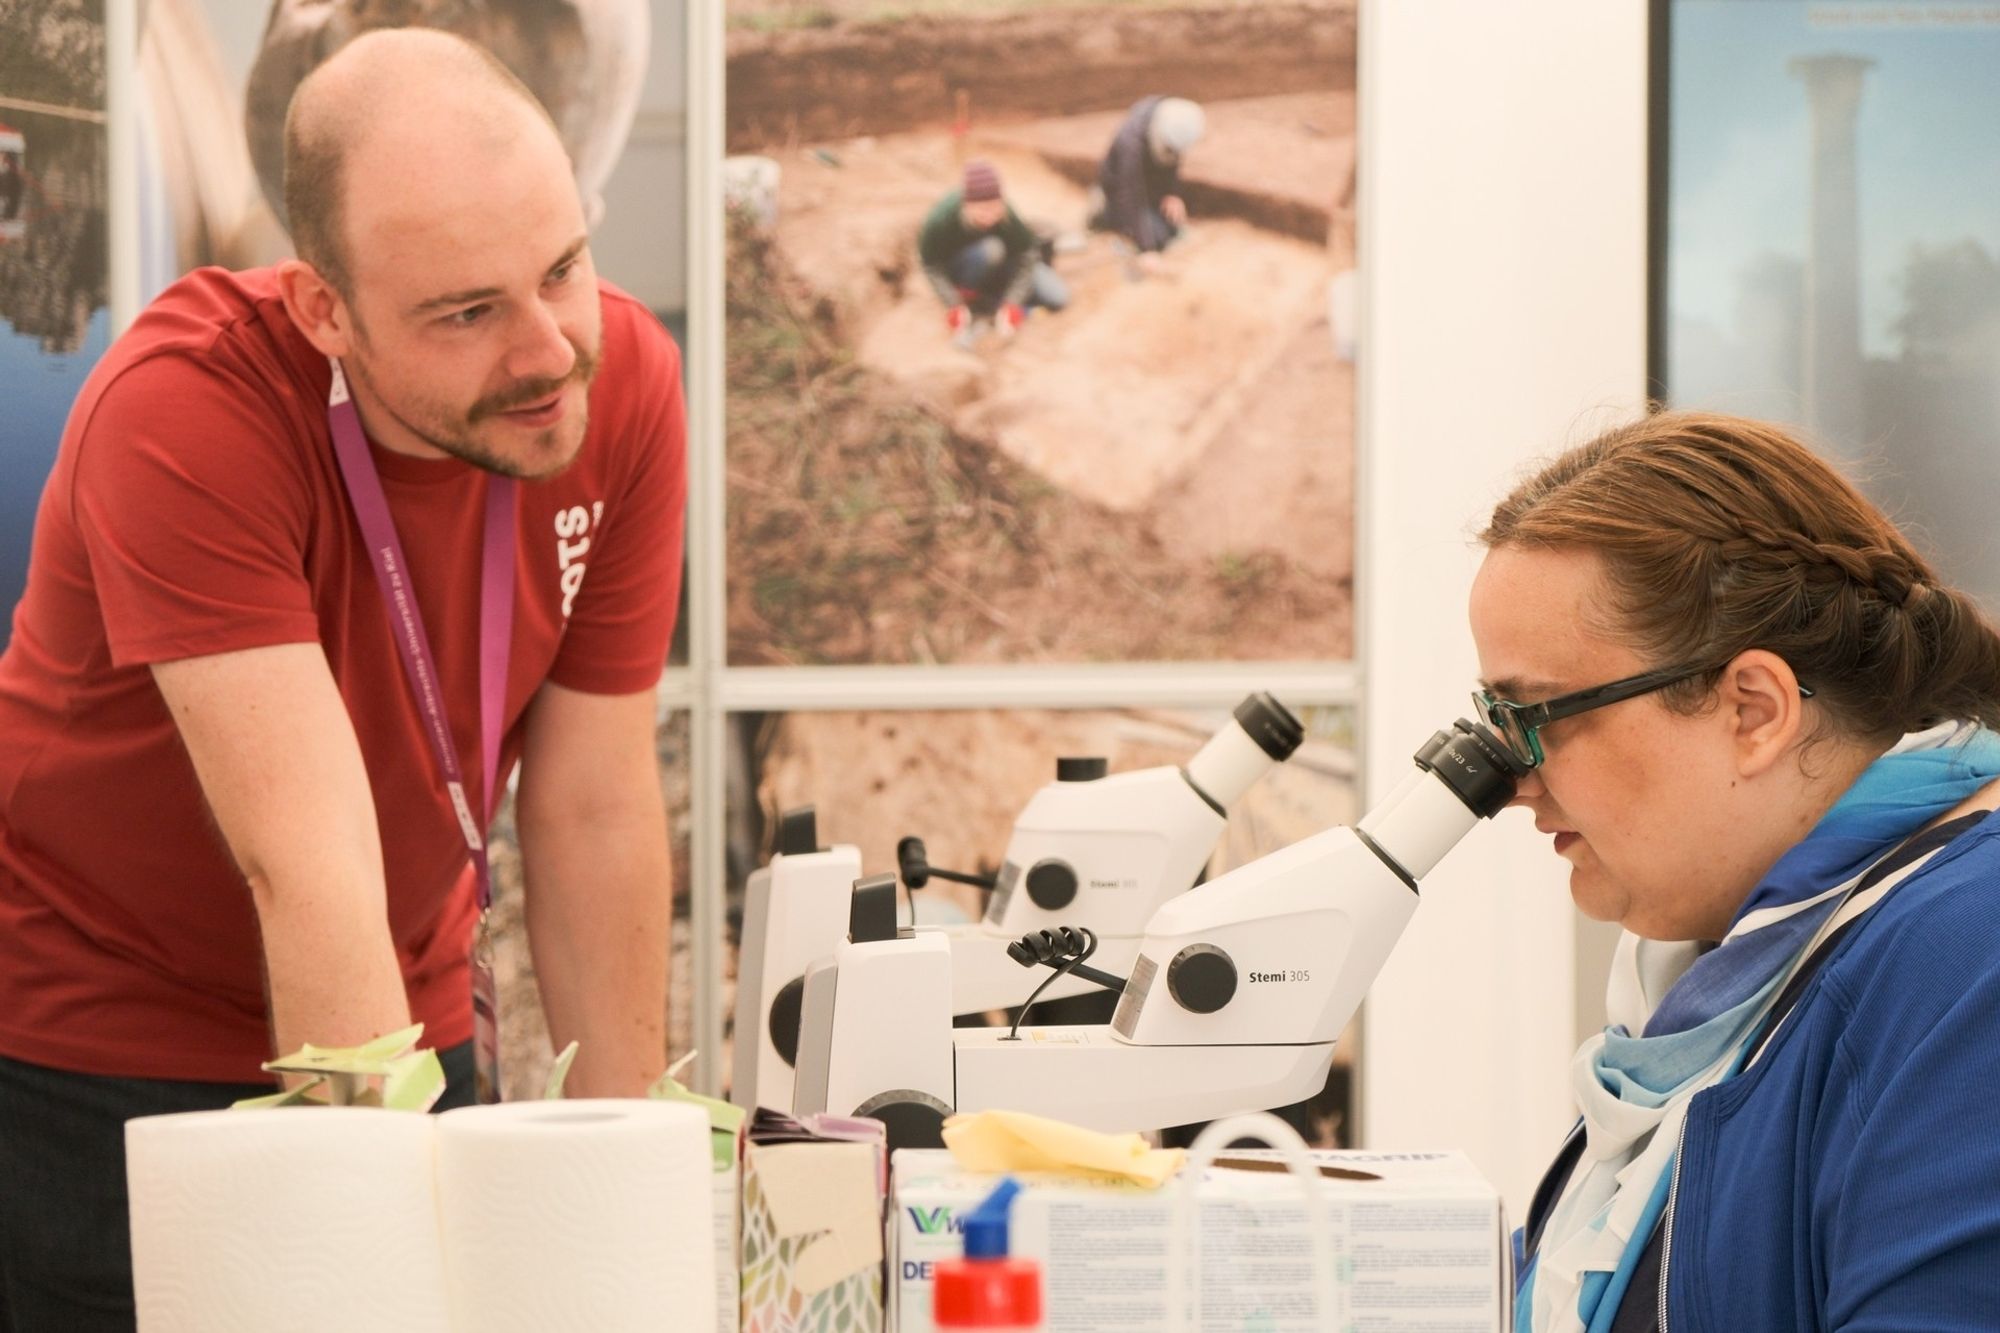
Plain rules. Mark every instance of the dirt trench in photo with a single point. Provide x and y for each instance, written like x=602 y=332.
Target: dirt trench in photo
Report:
x=1161 y=471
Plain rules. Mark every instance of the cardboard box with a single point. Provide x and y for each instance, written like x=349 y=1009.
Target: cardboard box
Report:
x=728 y=1216
x=1419 y=1241
x=812 y=1225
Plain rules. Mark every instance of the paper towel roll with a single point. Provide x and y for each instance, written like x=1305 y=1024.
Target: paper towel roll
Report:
x=577 y=1217
x=315 y=1220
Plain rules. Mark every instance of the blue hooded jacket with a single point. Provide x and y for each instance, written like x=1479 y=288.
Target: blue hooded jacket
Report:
x=1849 y=1179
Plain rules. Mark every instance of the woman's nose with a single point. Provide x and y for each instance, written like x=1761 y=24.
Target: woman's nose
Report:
x=1529 y=789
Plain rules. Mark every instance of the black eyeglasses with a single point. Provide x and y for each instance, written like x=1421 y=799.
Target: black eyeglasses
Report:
x=1520 y=725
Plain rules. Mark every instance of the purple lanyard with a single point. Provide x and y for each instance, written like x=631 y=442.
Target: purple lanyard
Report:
x=496 y=628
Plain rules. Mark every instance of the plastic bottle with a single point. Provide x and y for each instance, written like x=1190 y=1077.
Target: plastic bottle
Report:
x=987 y=1289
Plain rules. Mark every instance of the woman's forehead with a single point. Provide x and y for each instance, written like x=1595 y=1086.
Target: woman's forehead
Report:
x=1538 y=622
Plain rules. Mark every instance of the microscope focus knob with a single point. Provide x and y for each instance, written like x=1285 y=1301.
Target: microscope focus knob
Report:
x=786 y=1018
x=1201 y=978
x=910 y=1119
x=1051 y=884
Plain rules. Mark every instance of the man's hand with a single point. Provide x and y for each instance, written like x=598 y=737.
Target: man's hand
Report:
x=275 y=753
x=1174 y=209
x=599 y=887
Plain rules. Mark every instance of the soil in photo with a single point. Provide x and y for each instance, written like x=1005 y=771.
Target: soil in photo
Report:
x=1161 y=471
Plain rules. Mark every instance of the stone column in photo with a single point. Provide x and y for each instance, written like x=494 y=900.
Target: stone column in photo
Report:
x=1832 y=372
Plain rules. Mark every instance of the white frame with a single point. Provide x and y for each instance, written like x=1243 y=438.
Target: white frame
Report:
x=121 y=145
x=709 y=689
x=1506 y=261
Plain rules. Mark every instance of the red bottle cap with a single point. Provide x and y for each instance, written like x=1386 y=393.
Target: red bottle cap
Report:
x=987 y=1293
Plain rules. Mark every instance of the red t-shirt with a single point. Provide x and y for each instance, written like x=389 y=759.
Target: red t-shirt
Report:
x=196 y=508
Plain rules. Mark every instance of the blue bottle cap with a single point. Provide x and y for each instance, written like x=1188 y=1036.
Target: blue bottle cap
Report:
x=985 y=1227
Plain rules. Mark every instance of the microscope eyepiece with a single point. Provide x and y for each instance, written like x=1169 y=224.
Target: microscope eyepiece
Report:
x=1270 y=724
x=1475 y=764
x=1081 y=768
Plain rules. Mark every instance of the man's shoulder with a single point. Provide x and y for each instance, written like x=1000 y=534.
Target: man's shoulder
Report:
x=943 y=214
x=205 y=307
x=210 y=324
x=633 y=330
x=638 y=384
x=1139 y=117
x=214 y=349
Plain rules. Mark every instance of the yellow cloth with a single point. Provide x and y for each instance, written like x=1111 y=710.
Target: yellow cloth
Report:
x=1015 y=1141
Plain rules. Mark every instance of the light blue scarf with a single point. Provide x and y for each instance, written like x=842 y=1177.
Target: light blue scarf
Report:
x=1634 y=1090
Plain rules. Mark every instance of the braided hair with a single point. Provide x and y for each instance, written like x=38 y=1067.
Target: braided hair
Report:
x=1720 y=534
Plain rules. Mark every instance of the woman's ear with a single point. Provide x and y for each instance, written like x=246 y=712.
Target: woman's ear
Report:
x=1761 y=708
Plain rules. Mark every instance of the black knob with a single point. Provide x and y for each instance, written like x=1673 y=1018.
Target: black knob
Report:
x=1051 y=885
x=909 y=1118
x=1201 y=979
x=787 y=1010
x=1082 y=768
x=798 y=832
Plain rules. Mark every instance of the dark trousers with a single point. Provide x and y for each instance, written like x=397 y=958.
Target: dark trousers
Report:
x=65 y=1237
x=984 y=269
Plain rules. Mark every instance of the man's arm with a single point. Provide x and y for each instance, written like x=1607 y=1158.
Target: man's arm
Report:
x=599 y=884
x=275 y=752
x=1024 y=251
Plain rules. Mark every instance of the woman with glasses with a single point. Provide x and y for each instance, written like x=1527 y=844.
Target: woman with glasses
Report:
x=1762 y=732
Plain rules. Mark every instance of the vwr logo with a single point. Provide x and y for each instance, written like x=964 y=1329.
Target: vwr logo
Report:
x=935 y=1221
x=573 y=528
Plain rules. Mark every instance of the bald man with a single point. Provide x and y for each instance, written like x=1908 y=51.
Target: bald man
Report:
x=326 y=547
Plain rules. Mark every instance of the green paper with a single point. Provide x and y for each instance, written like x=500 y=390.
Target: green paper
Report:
x=724 y=1118
x=559 y=1074
x=372 y=1059
x=289 y=1097
x=411 y=1080
x=414 y=1083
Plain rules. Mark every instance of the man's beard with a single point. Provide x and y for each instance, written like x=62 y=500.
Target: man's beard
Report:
x=460 y=442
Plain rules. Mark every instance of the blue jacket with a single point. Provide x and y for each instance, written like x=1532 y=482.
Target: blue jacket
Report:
x=1850 y=1179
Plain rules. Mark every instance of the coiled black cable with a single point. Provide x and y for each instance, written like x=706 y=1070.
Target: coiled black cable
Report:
x=1066 y=949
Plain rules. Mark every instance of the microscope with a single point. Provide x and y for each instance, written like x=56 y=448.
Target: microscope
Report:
x=1235 y=997
x=1103 y=850
x=793 y=909
x=1096 y=848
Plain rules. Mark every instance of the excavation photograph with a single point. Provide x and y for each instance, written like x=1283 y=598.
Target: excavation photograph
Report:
x=1040 y=332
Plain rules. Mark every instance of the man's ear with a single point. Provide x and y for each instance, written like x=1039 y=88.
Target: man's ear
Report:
x=316 y=307
x=1761 y=707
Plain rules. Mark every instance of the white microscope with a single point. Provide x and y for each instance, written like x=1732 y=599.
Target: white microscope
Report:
x=794 y=910
x=1235 y=998
x=1092 y=849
